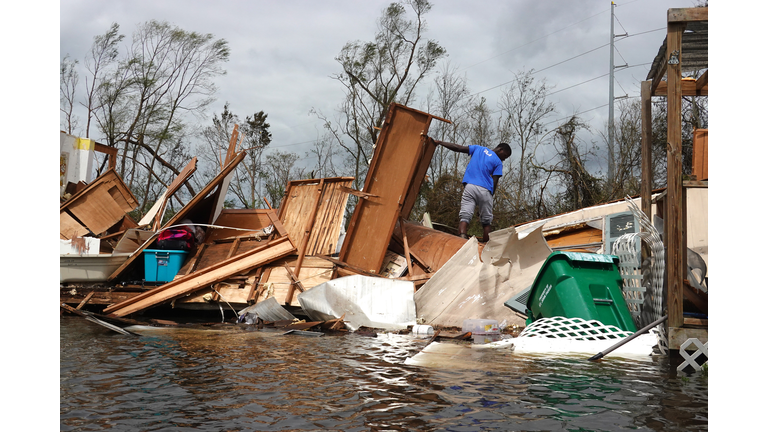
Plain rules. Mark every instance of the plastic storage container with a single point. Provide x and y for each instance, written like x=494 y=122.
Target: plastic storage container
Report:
x=162 y=265
x=580 y=285
x=483 y=330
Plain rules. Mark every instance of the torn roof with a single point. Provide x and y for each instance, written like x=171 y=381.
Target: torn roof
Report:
x=695 y=52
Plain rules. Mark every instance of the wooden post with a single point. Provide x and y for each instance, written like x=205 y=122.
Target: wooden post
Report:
x=673 y=219
x=646 y=164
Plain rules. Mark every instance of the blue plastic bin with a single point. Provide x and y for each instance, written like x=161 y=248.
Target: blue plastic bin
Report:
x=162 y=265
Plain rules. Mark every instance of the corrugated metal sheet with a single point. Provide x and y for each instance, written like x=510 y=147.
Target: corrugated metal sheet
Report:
x=694 y=53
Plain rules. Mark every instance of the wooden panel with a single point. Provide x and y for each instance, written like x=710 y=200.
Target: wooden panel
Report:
x=700 y=150
x=201 y=279
x=389 y=178
x=69 y=228
x=97 y=210
x=298 y=205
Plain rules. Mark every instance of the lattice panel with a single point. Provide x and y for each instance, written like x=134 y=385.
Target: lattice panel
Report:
x=573 y=329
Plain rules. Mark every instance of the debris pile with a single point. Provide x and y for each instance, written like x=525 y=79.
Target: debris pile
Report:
x=279 y=266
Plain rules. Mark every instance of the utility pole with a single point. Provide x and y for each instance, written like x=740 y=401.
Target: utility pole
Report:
x=611 y=147
x=611 y=157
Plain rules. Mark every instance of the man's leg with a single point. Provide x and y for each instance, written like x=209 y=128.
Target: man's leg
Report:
x=466 y=211
x=485 y=205
x=463 y=226
x=486 y=233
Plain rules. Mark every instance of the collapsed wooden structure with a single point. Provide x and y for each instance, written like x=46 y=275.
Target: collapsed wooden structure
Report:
x=249 y=255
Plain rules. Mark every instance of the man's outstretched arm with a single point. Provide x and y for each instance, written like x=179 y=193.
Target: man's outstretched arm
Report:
x=451 y=146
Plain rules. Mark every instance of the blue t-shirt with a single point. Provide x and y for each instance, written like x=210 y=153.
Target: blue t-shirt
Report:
x=483 y=164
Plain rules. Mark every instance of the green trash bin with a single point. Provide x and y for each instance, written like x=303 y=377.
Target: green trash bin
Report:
x=580 y=285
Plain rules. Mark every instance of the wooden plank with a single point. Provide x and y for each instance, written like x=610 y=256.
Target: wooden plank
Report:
x=390 y=177
x=359 y=194
x=86 y=299
x=267 y=253
x=177 y=182
x=405 y=247
x=673 y=219
x=646 y=147
x=309 y=224
x=682 y=15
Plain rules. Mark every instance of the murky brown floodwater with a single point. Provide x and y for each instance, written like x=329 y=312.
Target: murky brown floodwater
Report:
x=208 y=380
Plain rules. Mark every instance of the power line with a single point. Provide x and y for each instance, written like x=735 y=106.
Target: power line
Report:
x=535 y=40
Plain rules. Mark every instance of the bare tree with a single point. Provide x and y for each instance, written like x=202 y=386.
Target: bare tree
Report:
x=68 y=80
x=375 y=74
x=524 y=106
x=281 y=168
x=143 y=104
x=103 y=54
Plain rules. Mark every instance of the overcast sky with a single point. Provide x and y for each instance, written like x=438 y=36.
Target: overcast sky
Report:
x=282 y=52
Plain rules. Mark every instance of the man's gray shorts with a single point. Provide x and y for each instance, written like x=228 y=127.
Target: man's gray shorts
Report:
x=479 y=196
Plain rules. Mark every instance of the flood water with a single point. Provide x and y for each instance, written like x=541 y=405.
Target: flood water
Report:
x=261 y=380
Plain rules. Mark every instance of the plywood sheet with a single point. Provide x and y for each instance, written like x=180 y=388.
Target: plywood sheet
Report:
x=391 y=176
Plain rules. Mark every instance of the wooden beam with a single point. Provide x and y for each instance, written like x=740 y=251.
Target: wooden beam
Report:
x=688 y=88
x=646 y=153
x=682 y=15
x=295 y=283
x=673 y=218
x=110 y=151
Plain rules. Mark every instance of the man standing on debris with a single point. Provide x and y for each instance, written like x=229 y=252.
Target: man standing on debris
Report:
x=480 y=180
